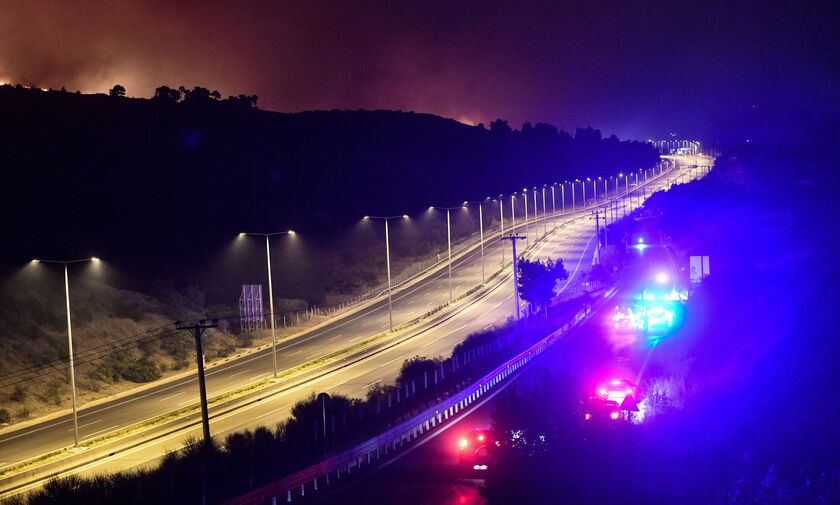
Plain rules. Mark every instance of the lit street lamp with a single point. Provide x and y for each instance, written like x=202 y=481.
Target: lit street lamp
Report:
x=70 y=336
x=270 y=291
x=388 y=265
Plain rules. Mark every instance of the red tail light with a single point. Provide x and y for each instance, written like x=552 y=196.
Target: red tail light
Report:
x=588 y=416
x=613 y=415
x=463 y=442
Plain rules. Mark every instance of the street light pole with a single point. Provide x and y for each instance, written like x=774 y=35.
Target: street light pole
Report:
x=502 y=225
x=573 y=195
x=513 y=213
x=481 y=235
x=388 y=274
x=388 y=265
x=449 y=245
x=449 y=252
x=270 y=292
x=536 y=232
x=72 y=368
x=70 y=339
x=553 y=208
x=271 y=308
x=563 y=196
x=543 y=198
x=583 y=188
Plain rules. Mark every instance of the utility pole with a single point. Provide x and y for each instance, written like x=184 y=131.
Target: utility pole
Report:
x=513 y=239
x=525 y=193
x=197 y=330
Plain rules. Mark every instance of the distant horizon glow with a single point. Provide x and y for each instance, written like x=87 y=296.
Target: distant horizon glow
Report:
x=500 y=63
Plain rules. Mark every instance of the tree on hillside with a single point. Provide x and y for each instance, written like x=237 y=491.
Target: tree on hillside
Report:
x=117 y=90
x=243 y=101
x=500 y=126
x=537 y=281
x=167 y=94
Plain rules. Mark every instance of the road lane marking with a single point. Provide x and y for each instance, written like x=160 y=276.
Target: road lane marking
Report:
x=371 y=384
x=88 y=424
x=240 y=372
x=260 y=376
x=284 y=407
x=333 y=338
x=172 y=396
x=104 y=429
x=388 y=363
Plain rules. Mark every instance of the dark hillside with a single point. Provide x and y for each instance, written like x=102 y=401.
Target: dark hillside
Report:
x=159 y=188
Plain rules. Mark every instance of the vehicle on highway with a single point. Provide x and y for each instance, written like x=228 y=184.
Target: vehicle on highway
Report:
x=616 y=390
x=625 y=320
x=476 y=449
x=600 y=409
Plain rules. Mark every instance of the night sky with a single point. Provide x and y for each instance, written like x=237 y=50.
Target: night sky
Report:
x=637 y=69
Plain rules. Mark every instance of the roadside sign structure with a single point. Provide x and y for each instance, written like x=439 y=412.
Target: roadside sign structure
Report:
x=698 y=267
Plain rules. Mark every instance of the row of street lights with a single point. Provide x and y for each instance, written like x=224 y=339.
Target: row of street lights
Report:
x=501 y=224
x=385 y=219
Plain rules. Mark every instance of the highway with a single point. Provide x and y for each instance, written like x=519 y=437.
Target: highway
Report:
x=573 y=242
x=430 y=474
